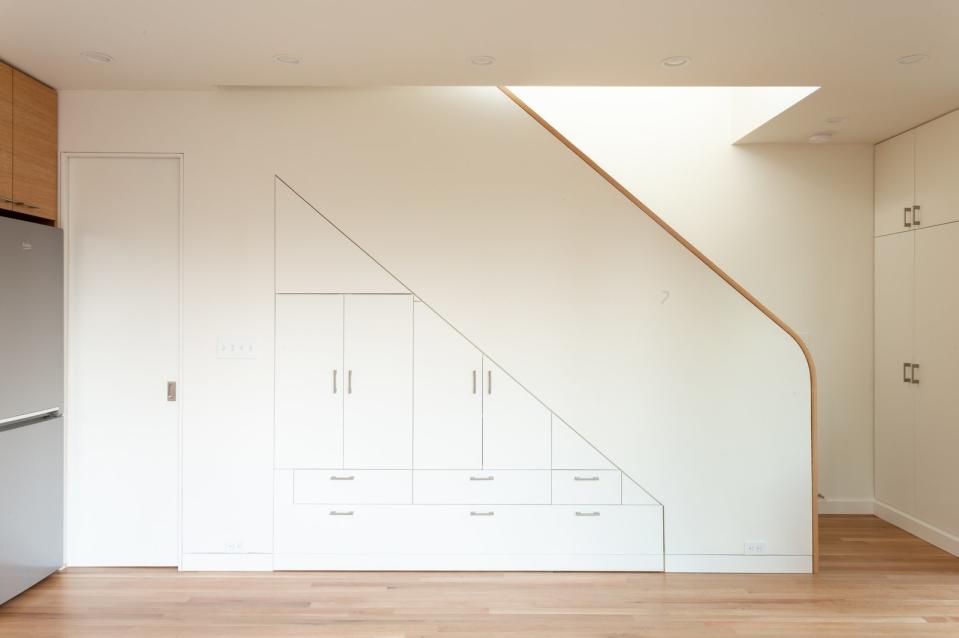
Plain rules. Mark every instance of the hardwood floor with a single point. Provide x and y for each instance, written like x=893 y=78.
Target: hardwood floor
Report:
x=875 y=580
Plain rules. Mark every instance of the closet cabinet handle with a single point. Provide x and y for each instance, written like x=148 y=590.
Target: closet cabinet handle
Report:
x=915 y=215
x=585 y=478
x=482 y=478
x=474 y=381
x=334 y=477
x=913 y=377
x=905 y=217
x=587 y=513
x=336 y=513
x=482 y=513
x=906 y=367
x=334 y=382
x=489 y=382
x=349 y=382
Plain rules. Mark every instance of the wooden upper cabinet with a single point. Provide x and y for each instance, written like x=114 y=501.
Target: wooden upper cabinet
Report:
x=6 y=134
x=34 y=147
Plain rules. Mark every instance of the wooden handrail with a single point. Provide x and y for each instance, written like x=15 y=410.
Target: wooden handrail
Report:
x=729 y=280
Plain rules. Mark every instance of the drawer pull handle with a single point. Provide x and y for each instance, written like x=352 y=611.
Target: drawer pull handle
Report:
x=482 y=478
x=587 y=513
x=585 y=478
x=341 y=478
x=335 y=513
x=482 y=513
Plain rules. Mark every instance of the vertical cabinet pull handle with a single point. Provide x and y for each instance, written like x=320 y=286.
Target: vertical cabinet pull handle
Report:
x=334 y=382
x=489 y=382
x=905 y=217
x=906 y=367
x=915 y=215
x=913 y=376
x=474 y=381
x=349 y=382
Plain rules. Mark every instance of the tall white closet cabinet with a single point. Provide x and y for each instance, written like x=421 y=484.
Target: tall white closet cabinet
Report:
x=917 y=329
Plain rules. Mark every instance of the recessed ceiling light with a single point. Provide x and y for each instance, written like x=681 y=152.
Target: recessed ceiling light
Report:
x=821 y=137
x=836 y=119
x=97 y=57
x=912 y=58
x=285 y=58
x=482 y=60
x=676 y=61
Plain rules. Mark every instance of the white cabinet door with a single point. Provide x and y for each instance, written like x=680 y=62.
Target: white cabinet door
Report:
x=309 y=381
x=895 y=412
x=515 y=425
x=937 y=170
x=895 y=184
x=447 y=395
x=937 y=399
x=378 y=356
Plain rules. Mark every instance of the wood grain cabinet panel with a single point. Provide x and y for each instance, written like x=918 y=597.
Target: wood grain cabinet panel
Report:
x=6 y=133
x=34 y=147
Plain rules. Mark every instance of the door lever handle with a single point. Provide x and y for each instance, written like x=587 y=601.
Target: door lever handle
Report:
x=906 y=367
x=913 y=377
x=905 y=217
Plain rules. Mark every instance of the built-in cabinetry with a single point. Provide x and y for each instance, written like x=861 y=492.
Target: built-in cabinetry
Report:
x=400 y=445
x=916 y=319
x=28 y=145
x=917 y=177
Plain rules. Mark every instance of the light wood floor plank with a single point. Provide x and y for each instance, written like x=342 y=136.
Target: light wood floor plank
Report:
x=875 y=580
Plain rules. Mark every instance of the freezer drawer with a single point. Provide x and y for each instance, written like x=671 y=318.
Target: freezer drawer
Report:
x=31 y=501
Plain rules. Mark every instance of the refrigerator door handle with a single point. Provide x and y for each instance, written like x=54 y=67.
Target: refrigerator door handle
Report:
x=26 y=419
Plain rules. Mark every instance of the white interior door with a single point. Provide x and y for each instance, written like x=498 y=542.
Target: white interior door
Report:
x=378 y=358
x=122 y=458
x=895 y=396
x=447 y=395
x=309 y=381
x=937 y=353
x=515 y=425
x=895 y=183
x=937 y=170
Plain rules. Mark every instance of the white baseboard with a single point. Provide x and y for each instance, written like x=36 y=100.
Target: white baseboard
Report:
x=738 y=564
x=226 y=563
x=938 y=537
x=846 y=506
x=469 y=562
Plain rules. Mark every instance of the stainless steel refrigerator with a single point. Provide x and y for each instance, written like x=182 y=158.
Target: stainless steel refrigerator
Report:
x=31 y=400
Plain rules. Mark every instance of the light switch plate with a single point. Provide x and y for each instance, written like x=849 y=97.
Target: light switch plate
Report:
x=236 y=348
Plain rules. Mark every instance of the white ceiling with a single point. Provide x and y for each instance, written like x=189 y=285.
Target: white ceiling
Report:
x=848 y=47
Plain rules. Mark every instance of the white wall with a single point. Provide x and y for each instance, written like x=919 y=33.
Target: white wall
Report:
x=791 y=223
x=528 y=252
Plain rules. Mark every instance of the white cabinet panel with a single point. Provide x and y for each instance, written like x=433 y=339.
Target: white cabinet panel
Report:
x=314 y=256
x=447 y=395
x=895 y=183
x=895 y=399
x=937 y=399
x=516 y=427
x=481 y=486
x=378 y=356
x=598 y=487
x=937 y=170
x=571 y=451
x=352 y=486
x=309 y=381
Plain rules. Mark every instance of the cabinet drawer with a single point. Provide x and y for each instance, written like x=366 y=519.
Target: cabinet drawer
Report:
x=352 y=486
x=598 y=487
x=502 y=487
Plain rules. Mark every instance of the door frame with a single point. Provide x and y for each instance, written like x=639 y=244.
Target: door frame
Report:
x=64 y=223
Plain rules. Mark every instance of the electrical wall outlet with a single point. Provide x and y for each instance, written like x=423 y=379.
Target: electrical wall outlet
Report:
x=234 y=547
x=753 y=548
x=235 y=348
